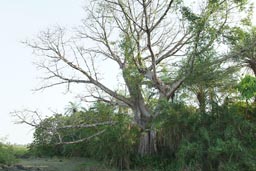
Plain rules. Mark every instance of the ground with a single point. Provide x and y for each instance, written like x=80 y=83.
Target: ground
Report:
x=57 y=164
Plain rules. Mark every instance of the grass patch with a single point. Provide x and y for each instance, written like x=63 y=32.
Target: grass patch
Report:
x=20 y=151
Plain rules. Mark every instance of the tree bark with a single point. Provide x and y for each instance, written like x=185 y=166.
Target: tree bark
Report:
x=202 y=101
x=147 y=144
x=147 y=140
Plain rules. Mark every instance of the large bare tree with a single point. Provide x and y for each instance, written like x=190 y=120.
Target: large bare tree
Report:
x=153 y=43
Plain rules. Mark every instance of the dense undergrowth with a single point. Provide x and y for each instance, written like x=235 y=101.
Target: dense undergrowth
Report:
x=221 y=140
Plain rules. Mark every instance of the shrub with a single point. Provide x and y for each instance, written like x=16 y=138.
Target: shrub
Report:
x=221 y=141
x=7 y=154
x=117 y=145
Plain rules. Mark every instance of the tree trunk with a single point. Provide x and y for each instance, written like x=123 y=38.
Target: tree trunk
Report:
x=147 y=141
x=202 y=101
x=147 y=144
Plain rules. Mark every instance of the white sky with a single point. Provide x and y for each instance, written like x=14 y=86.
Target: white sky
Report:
x=22 y=20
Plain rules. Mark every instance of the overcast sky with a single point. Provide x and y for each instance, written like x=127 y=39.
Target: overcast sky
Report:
x=22 y=20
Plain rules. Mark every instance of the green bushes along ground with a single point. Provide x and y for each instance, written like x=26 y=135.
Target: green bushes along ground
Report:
x=222 y=139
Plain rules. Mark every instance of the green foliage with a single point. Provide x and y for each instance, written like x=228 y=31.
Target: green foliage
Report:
x=247 y=87
x=174 y=123
x=131 y=73
x=7 y=154
x=189 y=15
x=20 y=151
x=117 y=145
x=222 y=139
x=45 y=137
x=242 y=43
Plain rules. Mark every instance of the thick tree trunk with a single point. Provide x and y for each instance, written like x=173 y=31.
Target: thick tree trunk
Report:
x=147 y=141
x=147 y=144
x=142 y=117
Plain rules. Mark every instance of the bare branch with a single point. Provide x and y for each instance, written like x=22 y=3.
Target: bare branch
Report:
x=87 y=125
x=162 y=17
x=27 y=117
x=83 y=139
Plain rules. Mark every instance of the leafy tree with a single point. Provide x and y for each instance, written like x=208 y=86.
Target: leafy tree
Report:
x=242 y=42
x=141 y=38
x=210 y=82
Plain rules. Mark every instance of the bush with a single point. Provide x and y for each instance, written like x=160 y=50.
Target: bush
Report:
x=117 y=145
x=7 y=154
x=221 y=141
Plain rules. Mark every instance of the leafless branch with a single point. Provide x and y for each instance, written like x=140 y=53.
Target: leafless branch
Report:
x=87 y=125
x=83 y=139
